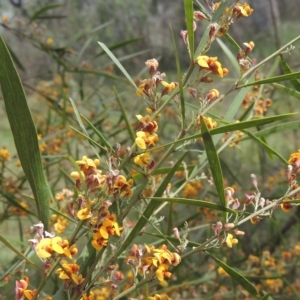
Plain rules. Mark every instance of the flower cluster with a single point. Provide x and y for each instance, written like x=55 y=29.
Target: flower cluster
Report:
x=212 y=65
x=152 y=261
x=191 y=189
x=148 y=87
x=46 y=245
x=231 y=15
x=210 y=124
x=105 y=225
x=242 y=56
x=93 y=179
x=259 y=99
x=89 y=174
x=22 y=291
x=4 y=154
x=70 y=273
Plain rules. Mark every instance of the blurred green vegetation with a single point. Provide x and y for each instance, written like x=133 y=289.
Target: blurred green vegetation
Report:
x=58 y=57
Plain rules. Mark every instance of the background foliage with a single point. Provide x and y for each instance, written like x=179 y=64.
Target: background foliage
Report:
x=54 y=47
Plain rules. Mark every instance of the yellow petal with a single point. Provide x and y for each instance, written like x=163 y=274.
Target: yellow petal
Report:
x=140 y=143
x=103 y=232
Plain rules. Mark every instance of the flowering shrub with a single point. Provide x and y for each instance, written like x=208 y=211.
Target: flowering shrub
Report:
x=123 y=216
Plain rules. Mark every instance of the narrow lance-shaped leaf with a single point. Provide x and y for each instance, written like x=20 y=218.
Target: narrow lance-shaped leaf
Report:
x=232 y=127
x=124 y=115
x=18 y=253
x=179 y=78
x=120 y=45
x=275 y=129
x=287 y=70
x=266 y=146
x=285 y=77
x=38 y=13
x=116 y=61
x=214 y=162
x=24 y=132
x=287 y=90
x=188 y=7
x=244 y=282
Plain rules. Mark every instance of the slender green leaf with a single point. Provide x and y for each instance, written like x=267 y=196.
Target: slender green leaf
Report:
x=14 y=201
x=116 y=61
x=51 y=17
x=236 y=104
x=232 y=41
x=203 y=42
x=194 y=202
x=267 y=147
x=20 y=254
x=42 y=10
x=220 y=11
x=245 y=283
x=99 y=134
x=61 y=294
x=125 y=117
x=232 y=127
x=230 y=56
x=24 y=132
x=180 y=84
x=150 y=207
x=287 y=70
x=275 y=129
x=120 y=45
x=101 y=73
x=87 y=257
x=266 y=297
x=188 y=8
x=16 y=59
x=214 y=162
x=279 y=78
x=287 y=90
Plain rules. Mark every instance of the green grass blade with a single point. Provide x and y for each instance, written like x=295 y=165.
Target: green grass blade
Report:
x=12 y=200
x=124 y=115
x=24 y=132
x=266 y=146
x=232 y=41
x=116 y=61
x=99 y=135
x=249 y=124
x=266 y=297
x=193 y=202
x=203 y=42
x=275 y=129
x=188 y=8
x=287 y=70
x=150 y=208
x=219 y=12
x=236 y=104
x=244 y=282
x=230 y=56
x=279 y=78
x=287 y=90
x=16 y=59
x=38 y=13
x=120 y=45
x=214 y=162
x=179 y=78
x=19 y=254
x=231 y=127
